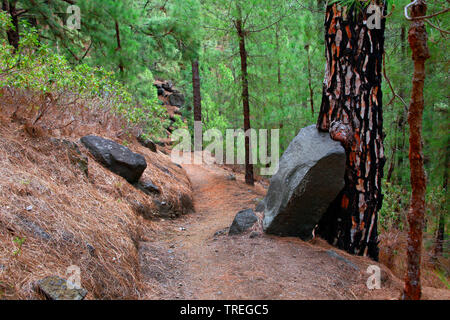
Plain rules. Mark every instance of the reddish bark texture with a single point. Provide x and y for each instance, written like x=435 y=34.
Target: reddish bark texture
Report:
x=351 y=111
x=418 y=42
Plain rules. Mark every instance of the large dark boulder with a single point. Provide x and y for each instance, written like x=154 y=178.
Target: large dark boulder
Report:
x=243 y=221
x=310 y=176
x=177 y=99
x=115 y=157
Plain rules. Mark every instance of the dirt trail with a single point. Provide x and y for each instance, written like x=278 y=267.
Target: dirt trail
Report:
x=193 y=259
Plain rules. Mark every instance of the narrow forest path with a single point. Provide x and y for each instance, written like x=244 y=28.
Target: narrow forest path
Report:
x=193 y=259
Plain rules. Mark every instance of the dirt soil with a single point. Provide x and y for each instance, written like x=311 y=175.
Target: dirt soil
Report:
x=196 y=259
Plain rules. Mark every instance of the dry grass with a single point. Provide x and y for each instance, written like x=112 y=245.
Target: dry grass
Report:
x=64 y=218
x=393 y=245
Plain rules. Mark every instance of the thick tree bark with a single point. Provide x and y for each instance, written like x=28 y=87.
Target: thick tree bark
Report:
x=196 y=91
x=418 y=43
x=352 y=111
x=249 y=178
x=12 y=34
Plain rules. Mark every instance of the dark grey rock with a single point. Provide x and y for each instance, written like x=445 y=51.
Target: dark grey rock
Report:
x=159 y=89
x=68 y=237
x=221 y=232
x=177 y=99
x=231 y=177
x=149 y=187
x=56 y=288
x=261 y=206
x=165 y=211
x=33 y=228
x=334 y=254
x=149 y=144
x=91 y=249
x=310 y=176
x=254 y=234
x=115 y=157
x=168 y=86
x=243 y=221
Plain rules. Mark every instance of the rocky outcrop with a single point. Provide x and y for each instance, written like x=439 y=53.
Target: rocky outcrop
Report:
x=243 y=221
x=149 y=144
x=310 y=176
x=56 y=288
x=115 y=157
x=172 y=99
x=149 y=187
x=177 y=99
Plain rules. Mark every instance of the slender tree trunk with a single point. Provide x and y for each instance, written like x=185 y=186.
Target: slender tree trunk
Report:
x=280 y=88
x=249 y=178
x=351 y=111
x=12 y=34
x=198 y=146
x=418 y=43
x=119 y=45
x=311 y=91
x=277 y=43
x=196 y=91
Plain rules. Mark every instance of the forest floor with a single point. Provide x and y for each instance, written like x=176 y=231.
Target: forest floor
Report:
x=196 y=259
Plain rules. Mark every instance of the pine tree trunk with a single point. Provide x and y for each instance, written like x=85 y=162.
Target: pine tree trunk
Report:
x=198 y=146
x=311 y=91
x=249 y=179
x=119 y=45
x=196 y=91
x=12 y=34
x=418 y=43
x=351 y=111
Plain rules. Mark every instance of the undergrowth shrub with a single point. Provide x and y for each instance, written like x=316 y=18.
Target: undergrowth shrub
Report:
x=49 y=78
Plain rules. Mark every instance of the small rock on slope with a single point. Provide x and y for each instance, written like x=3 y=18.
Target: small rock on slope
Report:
x=56 y=288
x=243 y=221
x=115 y=157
